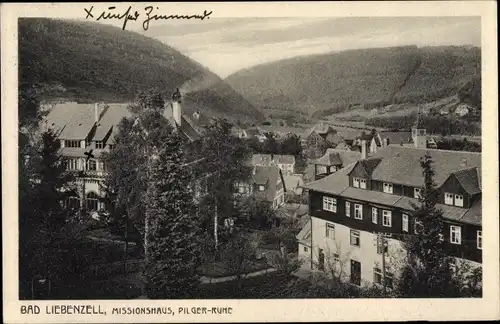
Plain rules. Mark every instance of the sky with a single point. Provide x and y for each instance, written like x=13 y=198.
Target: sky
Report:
x=227 y=45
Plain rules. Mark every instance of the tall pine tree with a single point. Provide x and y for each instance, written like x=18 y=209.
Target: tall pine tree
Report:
x=173 y=251
x=428 y=272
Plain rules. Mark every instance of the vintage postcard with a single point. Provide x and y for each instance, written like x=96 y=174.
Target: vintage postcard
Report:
x=250 y=162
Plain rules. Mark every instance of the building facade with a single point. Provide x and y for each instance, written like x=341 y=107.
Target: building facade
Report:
x=353 y=208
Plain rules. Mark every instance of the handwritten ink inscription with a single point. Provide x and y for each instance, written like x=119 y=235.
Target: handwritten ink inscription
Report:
x=133 y=15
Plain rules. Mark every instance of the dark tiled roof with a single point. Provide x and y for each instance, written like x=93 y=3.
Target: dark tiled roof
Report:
x=338 y=157
x=370 y=164
x=408 y=168
x=469 y=180
x=304 y=236
x=401 y=164
x=187 y=130
x=266 y=175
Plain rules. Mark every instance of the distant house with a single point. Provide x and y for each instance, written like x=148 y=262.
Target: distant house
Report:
x=462 y=110
x=332 y=161
x=239 y=132
x=256 y=133
x=281 y=132
x=266 y=184
x=319 y=136
x=343 y=146
x=286 y=163
x=294 y=183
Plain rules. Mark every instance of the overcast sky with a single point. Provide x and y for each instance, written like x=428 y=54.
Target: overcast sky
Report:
x=227 y=45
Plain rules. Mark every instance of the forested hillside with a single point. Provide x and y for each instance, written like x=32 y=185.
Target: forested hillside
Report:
x=334 y=82
x=89 y=62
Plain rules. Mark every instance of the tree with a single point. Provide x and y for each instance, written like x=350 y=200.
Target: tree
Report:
x=428 y=271
x=281 y=259
x=173 y=252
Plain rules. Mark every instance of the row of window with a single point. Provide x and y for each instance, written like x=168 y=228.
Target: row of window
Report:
x=72 y=143
x=92 y=202
x=90 y=165
x=449 y=198
x=330 y=204
x=76 y=143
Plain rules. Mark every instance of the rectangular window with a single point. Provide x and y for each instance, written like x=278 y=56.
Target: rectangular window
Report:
x=261 y=188
x=362 y=183
x=330 y=204
x=388 y=188
x=320 y=169
x=455 y=234
x=330 y=231
x=358 y=211
x=417 y=226
x=480 y=240
x=336 y=257
x=305 y=249
x=382 y=245
x=448 y=198
x=91 y=165
x=111 y=146
x=374 y=215
x=377 y=276
x=355 y=182
x=355 y=238
x=405 y=223
x=348 y=209
x=387 y=218
x=99 y=145
x=416 y=193
x=459 y=200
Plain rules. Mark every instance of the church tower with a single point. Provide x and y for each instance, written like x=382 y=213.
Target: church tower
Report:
x=418 y=132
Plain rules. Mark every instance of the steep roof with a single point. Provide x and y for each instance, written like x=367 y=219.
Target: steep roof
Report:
x=304 y=236
x=186 y=129
x=401 y=164
x=397 y=137
x=338 y=157
x=112 y=114
x=293 y=181
x=268 y=176
x=469 y=180
x=370 y=164
x=74 y=121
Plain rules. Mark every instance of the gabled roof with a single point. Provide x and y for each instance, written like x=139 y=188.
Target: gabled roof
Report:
x=186 y=129
x=74 y=121
x=293 y=181
x=401 y=164
x=112 y=114
x=304 y=236
x=397 y=137
x=268 y=176
x=338 y=157
x=469 y=180
x=370 y=164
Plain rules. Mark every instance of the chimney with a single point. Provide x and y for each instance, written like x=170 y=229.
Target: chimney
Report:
x=176 y=107
x=96 y=112
x=364 y=147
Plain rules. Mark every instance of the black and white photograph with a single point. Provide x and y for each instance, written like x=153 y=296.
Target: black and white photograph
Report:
x=184 y=155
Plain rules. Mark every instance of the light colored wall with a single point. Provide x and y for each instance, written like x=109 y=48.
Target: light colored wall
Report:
x=366 y=253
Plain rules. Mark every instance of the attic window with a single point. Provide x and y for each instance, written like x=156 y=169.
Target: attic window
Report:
x=99 y=145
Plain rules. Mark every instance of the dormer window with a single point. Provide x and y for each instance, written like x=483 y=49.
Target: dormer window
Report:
x=416 y=193
x=388 y=188
x=72 y=143
x=459 y=200
x=448 y=198
x=99 y=145
x=359 y=183
x=262 y=188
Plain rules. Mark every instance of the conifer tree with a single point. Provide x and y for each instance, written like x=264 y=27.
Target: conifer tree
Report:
x=173 y=249
x=428 y=272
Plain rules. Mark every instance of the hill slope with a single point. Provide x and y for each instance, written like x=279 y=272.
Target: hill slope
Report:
x=90 y=62
x=373 y=77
